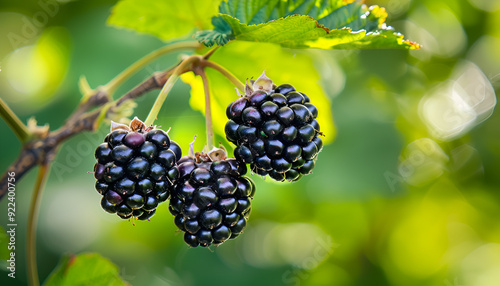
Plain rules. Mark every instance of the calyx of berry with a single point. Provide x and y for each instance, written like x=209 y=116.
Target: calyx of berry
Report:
x=263 y=83
x=216 y=154
x=135 y=125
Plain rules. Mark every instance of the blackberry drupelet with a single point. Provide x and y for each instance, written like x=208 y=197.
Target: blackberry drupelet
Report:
x=211 y=199
x=275 y=130
x=135 y=169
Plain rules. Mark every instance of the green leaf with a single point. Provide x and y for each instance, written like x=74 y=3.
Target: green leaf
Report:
x=333 y=14
x=304 y=24
x=85 y=269
x=166 y=19
x=221 y=34
x=342 y=16
x=247 y=60
x=253 y=12
x=304 y=32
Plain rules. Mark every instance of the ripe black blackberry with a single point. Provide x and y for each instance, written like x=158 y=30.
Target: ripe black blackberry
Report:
x=275 y=130
x=211 y=199
x=135 y=169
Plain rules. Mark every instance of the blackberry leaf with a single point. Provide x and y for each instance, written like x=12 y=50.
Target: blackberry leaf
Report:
x=342 y=16
x=221 y=34
x=305 y=24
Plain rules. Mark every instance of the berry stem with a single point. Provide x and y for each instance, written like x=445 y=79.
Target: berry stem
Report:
x=210 y=53
x=208 y=109
x=22 y=132
x=43 y=174
x=181 y=68
x=111 y=86
x=224 y=72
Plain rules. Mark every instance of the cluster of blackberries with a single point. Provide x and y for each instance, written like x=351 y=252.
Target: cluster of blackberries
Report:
x=211 y=201
x=139 y=167
x=275 y=130
x=135 y=170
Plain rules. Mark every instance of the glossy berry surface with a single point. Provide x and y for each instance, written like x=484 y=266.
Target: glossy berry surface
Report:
x=135 y=171
x=211 y=201
x=275 y=132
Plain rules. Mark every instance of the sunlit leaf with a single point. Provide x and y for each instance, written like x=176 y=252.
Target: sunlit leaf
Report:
x=164 y=19
x=289 y=23
x=305 y=32
x=304 y=24
x=85 y=269
x=248 y=60
x=252 y=12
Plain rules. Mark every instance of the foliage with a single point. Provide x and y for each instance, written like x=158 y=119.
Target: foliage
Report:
x=165 y=19
x=304 y=24
x=321 y=24
x=85 y=269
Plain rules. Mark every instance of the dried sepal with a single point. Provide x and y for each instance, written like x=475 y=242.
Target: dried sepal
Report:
x=238 y=93
x=191 y=153
x=248 y=88
x=263 y=83
x=137 y=125
x=217 y=154
x=117 y=126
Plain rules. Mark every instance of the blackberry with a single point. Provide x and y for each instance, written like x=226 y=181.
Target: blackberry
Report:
x=211 y=199
x=135 y=169
x=275 y=130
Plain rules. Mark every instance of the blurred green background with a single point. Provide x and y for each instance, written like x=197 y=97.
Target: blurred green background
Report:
x=407 y=193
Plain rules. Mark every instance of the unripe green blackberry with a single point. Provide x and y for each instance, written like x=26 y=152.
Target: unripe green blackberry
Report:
x=275 y=130
x=135 y=169
x=211 y=199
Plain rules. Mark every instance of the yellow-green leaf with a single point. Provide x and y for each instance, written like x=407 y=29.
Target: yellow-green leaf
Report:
x=301 y=31
x=166 y=19
x=325 y=24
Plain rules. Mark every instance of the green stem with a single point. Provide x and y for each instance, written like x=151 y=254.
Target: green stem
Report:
x=14 y=122
x=111 y=86
x=224 y=72
x=43 y=174
x=167 y=87
x=208 y=109
x=210 y=53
